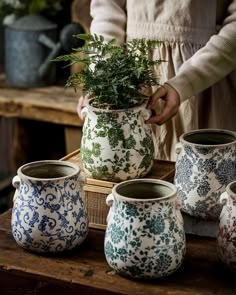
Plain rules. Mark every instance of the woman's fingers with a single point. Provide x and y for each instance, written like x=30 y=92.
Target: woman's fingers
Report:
x=81 y=104
x=161 y=92
x=171 y=105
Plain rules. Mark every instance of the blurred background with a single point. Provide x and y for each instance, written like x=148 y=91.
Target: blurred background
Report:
x=38 y=117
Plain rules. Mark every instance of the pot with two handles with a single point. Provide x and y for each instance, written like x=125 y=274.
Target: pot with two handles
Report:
x=206 y=164
x=144 y=238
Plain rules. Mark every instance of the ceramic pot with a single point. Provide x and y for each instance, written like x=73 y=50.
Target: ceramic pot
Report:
x=116 y=144
x=206 y=164
x=144 y=237
x=49 y=212
x=226 y=237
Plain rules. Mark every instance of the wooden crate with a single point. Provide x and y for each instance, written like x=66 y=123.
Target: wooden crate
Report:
x=96 y=190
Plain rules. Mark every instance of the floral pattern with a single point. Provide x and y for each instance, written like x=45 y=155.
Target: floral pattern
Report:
x=144 y=239
x=226 y=237
x=117 y=145
x=202 y=174
x=49 y=216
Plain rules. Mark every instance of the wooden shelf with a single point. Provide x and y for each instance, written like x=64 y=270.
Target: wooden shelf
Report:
x=53 y=104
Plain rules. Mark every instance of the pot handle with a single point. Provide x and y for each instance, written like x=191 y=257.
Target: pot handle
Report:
x=178 y=206
x=84 y=112
x=178 y=203
x=146 y=113
x=178 y=147
x=16 y=184
x=224 y=198
x=109 y=202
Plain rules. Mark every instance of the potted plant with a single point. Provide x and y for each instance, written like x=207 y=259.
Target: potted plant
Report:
x=116 y=143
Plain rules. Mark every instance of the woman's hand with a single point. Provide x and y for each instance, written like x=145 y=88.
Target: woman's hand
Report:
x=171 y=106
x=81 y=104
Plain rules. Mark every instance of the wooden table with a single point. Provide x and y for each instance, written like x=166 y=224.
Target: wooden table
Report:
x=85 y=270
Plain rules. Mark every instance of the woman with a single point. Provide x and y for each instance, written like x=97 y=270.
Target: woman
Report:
x=199 y=45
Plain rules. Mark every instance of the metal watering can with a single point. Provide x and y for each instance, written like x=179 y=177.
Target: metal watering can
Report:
x=30 y=45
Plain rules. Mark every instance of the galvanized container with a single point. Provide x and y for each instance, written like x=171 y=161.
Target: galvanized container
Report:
x=28 y=42
x=1 y=43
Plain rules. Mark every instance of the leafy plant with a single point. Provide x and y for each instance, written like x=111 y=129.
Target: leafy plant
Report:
x=115 y=75
x=25 y=7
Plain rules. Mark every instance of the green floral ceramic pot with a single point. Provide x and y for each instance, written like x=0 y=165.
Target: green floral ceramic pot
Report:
x=144 y=237
x=116 y=145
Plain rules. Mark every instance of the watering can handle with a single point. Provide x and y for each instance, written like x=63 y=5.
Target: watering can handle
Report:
x=56 y=47
x=64 y=43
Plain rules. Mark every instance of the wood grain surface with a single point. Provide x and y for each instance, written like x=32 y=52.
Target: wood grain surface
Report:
x=85 y=270
x=54 y=104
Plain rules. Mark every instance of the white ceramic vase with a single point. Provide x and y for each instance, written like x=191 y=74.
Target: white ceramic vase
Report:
x=144 y=237
x=206 y=164
x=49 y=213
x=226 y=237
x=116 y=144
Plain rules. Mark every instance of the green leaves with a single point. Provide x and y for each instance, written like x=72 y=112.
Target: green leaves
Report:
x=114 y=74
x=26 y=7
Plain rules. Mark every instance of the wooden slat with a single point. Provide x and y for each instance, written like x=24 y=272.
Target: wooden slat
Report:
x=97 y=189
x=72 y=156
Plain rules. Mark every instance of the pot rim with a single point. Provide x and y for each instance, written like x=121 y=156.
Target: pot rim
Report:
x=53 y=162
x=147 y=180
x=136 y=108
x=207 y=130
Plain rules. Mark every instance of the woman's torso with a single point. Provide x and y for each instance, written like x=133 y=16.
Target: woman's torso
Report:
x=184 y=27
x=170 y=20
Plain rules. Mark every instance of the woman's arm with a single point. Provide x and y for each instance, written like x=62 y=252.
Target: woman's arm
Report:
x=109 y=19
x=211 y=63
x=207 y=66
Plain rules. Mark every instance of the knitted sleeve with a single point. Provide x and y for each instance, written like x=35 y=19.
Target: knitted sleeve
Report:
x=211 y=63
x=109 y=19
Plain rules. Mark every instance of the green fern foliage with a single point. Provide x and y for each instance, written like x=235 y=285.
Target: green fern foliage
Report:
x=114 y=74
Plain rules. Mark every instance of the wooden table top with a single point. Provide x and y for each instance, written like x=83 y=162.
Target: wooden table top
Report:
x=54 y=104
x=86 y=268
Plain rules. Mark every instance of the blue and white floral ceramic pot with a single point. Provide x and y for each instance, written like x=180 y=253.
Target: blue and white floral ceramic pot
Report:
x=49 y=212
x=226 y=236
x=206 y=164
x=116 y=144
x=144 y=237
